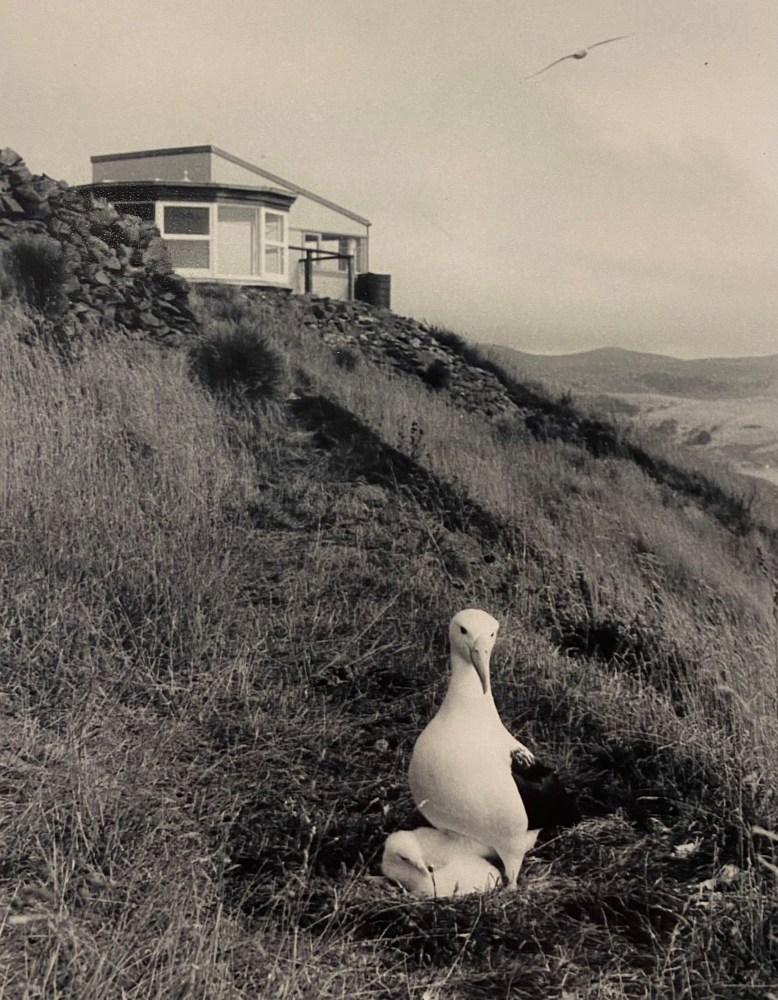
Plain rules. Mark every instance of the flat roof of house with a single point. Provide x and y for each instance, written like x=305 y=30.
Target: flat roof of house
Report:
x=189 y=191
x=251 y=167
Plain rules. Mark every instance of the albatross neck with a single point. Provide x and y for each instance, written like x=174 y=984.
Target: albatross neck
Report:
x=464 y=687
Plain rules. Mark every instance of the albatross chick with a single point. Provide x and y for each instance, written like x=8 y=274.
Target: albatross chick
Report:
x=432 y=863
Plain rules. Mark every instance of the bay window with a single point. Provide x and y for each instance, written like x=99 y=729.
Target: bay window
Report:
x=225 y=240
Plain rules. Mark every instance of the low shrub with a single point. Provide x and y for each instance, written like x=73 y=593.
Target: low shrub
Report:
x=437 y=374
x=39 y=269
x=7 y=283
x=346 y=359
x=226 y=303
x=236 y=363
x=448 y=338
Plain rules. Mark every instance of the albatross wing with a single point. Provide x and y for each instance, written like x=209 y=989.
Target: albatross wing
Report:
x=561 y=59
x=605 y=41
x=547 y=801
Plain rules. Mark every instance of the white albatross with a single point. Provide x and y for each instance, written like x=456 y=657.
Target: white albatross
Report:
x=468 y=774
x=431 y=863
x=580 y=54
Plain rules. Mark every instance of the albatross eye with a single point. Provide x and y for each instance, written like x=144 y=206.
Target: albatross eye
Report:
x=463 y=630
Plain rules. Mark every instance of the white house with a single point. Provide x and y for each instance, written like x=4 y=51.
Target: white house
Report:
x=228 y=220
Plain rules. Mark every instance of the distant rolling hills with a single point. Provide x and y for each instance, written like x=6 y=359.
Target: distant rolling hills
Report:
x=727 y=406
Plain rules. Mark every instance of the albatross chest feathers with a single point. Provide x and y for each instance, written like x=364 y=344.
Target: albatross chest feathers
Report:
x=460 y=773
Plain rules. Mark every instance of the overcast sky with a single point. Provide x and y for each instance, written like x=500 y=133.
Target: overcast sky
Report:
x=628 y=198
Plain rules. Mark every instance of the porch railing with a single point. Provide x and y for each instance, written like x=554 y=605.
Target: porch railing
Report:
x=313 y=255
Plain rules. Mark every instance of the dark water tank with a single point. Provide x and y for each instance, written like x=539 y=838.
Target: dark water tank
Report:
x=375 y=289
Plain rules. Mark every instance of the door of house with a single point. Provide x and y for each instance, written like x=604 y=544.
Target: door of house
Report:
x=238 y=241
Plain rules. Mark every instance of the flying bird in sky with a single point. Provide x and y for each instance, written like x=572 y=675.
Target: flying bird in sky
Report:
x=581 y=54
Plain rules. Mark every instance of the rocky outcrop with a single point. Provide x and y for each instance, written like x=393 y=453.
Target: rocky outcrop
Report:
x=413 y=348
x=119 y=273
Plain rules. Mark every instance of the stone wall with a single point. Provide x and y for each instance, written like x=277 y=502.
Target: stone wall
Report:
x=120 y=272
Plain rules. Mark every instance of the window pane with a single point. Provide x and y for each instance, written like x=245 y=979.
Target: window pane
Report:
x=274 y=227
x=185 y=219
x=345 y=247
x=361 y=261
x=274 y=260
x=190 y=253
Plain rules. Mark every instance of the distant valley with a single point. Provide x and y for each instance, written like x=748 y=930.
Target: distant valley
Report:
x=726 y=406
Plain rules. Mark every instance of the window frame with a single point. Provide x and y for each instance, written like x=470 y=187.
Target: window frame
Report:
x=283 y=243
x=190 y=272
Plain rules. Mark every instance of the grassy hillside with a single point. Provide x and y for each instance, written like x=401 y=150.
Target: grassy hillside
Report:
x=725 y=407
x=224 y=626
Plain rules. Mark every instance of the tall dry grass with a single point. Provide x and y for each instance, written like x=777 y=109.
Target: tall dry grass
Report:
x=559 y=500
x=118 y=555
x=220 y=642
x=653 y=567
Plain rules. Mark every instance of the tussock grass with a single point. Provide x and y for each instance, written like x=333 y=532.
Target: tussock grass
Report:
x=222 y=635
x=39 y=270
x=234 y=362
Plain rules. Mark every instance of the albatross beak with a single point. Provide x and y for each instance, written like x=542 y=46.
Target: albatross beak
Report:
x=479 y=657
x=416 y=863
